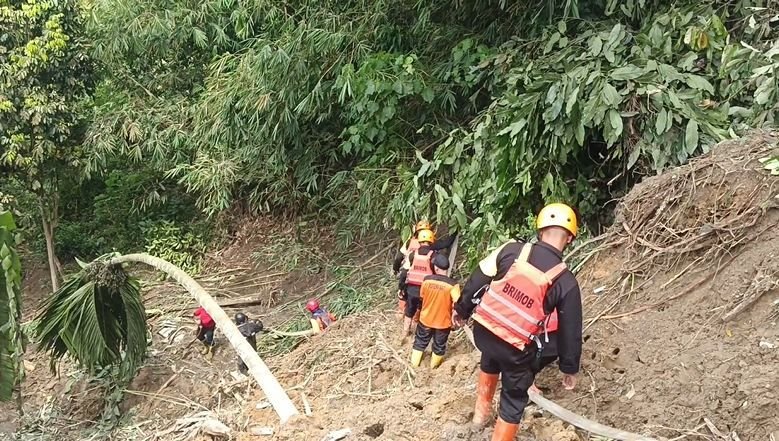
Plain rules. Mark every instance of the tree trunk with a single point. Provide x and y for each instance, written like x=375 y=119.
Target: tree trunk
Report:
x=49 y=213
x=48 y=232
x=276 y=395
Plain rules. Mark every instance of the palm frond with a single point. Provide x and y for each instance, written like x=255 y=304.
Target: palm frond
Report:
x=98 y=318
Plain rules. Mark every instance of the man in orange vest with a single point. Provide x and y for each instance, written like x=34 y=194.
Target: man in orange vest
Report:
x=438 y=294
x=410 y=281
x=409 y=247
x=510 y=297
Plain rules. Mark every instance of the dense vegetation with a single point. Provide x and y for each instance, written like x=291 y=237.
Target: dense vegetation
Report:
x=137 y=124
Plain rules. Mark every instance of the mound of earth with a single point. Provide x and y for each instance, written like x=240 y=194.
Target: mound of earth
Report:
x=690 y=246
x=666 y=346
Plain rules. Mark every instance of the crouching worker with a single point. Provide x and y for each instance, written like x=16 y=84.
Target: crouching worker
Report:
x=205 y=331
x=320 y=318
x=249 y=329
x=438 y=294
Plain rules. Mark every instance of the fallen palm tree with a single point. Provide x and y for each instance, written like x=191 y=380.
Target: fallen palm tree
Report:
x=98 y=319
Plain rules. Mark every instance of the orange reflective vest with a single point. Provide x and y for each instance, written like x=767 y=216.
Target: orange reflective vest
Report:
x=512 y=308
x=420 y=267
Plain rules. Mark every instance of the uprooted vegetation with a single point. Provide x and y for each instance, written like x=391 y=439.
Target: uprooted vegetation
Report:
x=681 y=336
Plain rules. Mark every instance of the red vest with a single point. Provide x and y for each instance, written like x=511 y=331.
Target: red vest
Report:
x=420 y=268
x=513 y=307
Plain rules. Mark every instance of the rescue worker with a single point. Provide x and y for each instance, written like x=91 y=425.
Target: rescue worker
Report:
x=205 y=331
x=438 y=294
x=249 y=329
x=510 y=296
x=411 y=245
x=410 y=281
x=320 y=318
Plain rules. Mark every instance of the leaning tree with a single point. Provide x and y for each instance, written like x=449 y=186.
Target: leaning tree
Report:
x=98 y=319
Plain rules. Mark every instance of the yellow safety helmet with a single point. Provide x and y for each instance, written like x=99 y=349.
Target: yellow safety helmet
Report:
x=558 y=215
x=422 y=225
x=426 y=236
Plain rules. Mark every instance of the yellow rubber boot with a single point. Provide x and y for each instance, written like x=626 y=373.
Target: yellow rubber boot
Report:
x=416 y=358
x=504 y=431
x=436 y=361
x=485 y=390
x=204 y=349
x=210 y=353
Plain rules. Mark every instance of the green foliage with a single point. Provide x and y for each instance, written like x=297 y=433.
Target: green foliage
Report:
x=44 y=74
x=114 y=211
x=97 y=318
x=474 y=114
x=171 y=242
x=11 y=347
x=771 y=164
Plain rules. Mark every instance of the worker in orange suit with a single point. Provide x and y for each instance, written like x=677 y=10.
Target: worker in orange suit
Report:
x=510 y=297
x=438 y=294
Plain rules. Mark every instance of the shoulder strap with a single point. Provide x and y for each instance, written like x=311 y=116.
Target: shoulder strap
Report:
x=555 y=272
x=525 y=253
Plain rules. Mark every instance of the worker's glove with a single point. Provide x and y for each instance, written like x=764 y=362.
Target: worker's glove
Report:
x=401 y=295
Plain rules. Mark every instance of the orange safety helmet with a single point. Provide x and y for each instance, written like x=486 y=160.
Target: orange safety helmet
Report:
x=422 y=225
x=426 y=236
x=558 y=215
x=312 y=305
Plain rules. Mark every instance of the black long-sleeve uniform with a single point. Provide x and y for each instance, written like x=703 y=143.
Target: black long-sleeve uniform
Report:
x=518 y=368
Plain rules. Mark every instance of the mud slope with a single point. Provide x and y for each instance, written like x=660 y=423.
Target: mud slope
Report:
x=687 y=247
x=356 y=376
x=658 y=358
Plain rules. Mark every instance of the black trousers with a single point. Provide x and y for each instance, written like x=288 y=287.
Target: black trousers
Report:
x=548 y=356
x=515 y=368
x=241 y=365
x=413 y=301
x=206 y=335
x=425 y=334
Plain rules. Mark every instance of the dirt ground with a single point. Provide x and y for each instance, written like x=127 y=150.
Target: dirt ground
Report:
x=688 y=247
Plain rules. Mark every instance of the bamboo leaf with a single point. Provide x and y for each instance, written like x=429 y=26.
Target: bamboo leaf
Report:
x=629 y=72
x=661 y=122
x=700 y=83
x=691 y=136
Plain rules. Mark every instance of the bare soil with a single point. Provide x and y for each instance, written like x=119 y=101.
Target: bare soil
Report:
x=661 y=366
x=687 y=248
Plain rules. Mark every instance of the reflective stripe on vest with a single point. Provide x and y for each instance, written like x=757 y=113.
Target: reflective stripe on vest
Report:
x=513 y=307
x=420 y=267
x=553 y=323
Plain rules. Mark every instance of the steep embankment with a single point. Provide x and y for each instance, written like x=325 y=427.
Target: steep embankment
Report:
x=689 y=247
